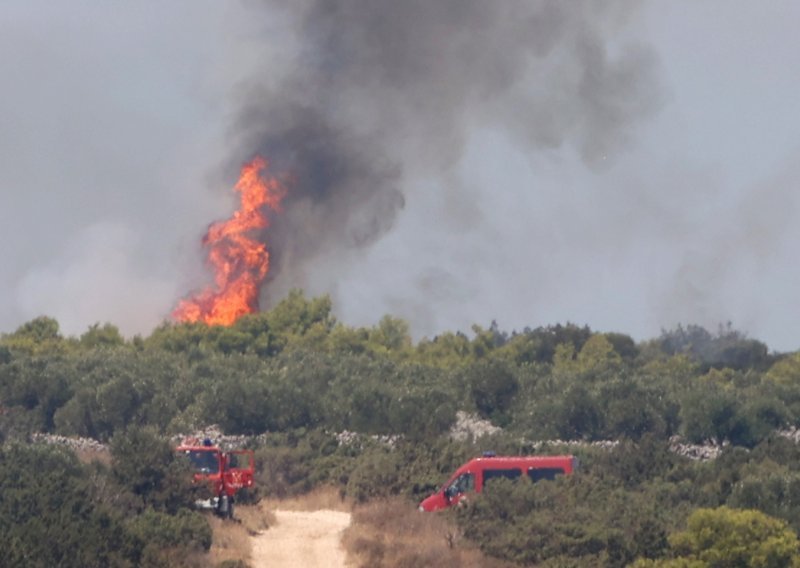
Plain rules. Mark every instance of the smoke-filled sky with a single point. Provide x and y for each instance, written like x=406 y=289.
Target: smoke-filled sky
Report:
x=623 y=165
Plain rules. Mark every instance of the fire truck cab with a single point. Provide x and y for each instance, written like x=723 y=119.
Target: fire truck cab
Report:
x=473 y=476
x=223 y=473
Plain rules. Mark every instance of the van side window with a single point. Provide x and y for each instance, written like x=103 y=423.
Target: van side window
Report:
x=504 y=473
x=539 y=473
x=463 y=484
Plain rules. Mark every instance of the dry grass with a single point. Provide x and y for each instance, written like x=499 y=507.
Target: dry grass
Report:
x=393 y=533
x=320 y=498
x=232 y=538
x=255 y=518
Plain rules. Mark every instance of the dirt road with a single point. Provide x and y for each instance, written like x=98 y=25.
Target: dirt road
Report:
x=302 y=538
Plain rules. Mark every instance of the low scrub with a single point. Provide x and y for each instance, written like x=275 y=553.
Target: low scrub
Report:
x=391 y=532
x=57 y=511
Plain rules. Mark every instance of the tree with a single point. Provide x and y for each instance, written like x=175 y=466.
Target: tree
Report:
x=492 y=388
x=48 y=516
x=578 y=415
x=623 y=344
x=487 y=341
x=732 y=538
x=345 y=339
x=297 y=316
x=39 y=330
x=786 y=371
x=728 y=348
x=146 y=465
x=38 y=384
x=768 y=487
x=710 y=411
x=446 y=351
x=632 y=410
x=390 y=335
x=40 y=335
x=598 y=354
x=105 y=336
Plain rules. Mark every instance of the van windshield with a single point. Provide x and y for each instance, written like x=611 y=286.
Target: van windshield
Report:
x=461 y=484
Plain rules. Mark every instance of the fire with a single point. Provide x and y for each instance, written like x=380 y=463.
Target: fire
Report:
x=240 y=263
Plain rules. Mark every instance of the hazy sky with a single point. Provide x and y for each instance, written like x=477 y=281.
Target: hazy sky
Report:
x=633 y=169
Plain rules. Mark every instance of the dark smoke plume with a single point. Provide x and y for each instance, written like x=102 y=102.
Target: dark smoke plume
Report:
x=379 y=91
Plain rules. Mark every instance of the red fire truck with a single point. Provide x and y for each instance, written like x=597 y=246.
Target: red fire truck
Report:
x=473 y=475
x=223 y=473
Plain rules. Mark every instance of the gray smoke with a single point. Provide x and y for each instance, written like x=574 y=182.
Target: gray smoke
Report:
x=456 y=162
x=746 y=247
x=380 y=92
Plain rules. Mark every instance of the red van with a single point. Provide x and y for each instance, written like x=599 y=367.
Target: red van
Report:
x=473 y=475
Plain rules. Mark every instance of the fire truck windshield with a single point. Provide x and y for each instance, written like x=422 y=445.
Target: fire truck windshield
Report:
x=204 y=462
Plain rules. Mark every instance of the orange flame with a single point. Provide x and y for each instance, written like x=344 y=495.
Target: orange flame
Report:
x=240 y=263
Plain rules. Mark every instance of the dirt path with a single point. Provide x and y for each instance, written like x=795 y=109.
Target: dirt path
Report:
x=302 y=538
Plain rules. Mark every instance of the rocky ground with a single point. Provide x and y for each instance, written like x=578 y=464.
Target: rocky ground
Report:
x=466 y=426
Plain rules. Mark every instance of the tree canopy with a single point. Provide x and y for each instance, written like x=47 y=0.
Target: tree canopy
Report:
x=299 y=382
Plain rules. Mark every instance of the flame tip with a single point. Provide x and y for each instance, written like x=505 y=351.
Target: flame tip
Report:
x=240 y=263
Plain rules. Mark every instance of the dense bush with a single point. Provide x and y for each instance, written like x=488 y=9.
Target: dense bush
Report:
x=54 y=511
x=723 y=537
x=158 y=534
x=147 y=466
x=295 y=367
x=47 y=499
x=605 y=515
x=368 y=410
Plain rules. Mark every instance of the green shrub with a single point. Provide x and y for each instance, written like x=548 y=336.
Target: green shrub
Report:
x=581 y=520
x=728 y=537
x=147 y=466
x=375 y=475
x=48 y=516
x=187 y=529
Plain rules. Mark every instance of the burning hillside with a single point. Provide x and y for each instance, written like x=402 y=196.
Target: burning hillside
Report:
x=240 y=262
x=372 y=104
